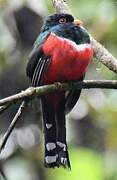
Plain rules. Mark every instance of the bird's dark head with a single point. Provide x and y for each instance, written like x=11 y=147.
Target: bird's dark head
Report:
x=57 y=19
x=65 y=26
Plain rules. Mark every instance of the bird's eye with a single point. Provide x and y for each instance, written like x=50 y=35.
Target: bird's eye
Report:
x=62 y=20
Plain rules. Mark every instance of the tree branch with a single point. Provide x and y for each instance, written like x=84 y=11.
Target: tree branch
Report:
x=102 y=54
x=61 y=6
x=4 y=108
x=38 y=91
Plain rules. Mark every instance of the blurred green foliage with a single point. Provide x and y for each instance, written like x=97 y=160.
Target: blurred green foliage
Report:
x=85 y=165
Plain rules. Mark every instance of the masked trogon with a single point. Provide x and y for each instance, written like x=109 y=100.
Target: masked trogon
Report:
x=61 y=53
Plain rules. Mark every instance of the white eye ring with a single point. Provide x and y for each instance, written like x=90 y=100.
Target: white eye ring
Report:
x=62 y=20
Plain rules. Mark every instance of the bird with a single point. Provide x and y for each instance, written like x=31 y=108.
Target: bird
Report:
x=61 y=53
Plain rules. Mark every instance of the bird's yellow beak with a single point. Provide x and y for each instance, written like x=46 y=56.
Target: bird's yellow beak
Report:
x=78 y=22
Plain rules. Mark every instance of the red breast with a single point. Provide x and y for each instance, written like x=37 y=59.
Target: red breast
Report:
x=69 y=61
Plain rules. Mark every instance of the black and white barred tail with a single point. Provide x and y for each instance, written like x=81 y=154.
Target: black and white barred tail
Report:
x=56 y=155
x=56 y=151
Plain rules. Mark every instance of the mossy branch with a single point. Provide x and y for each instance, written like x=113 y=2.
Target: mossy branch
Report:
x=38 y=91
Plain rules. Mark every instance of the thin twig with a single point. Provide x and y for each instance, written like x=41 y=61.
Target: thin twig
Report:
x=19 y=96
x=4 y=108
x=101 y=53
x=36 y=91
x=12 y=125
x=2 y=173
